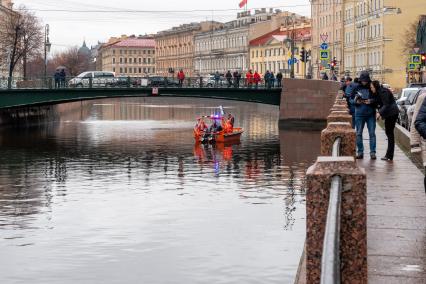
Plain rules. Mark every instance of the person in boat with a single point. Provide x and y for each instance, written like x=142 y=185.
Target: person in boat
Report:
x=215 y=127
x=231 y=119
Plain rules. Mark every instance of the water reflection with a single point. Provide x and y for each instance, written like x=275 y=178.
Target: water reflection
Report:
x=118 y=182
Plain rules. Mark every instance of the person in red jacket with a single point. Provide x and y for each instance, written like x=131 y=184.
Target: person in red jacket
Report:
x=181 y=77
x=249 y=78
x=256 y=79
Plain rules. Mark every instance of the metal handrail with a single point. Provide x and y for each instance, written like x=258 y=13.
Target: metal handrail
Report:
x=336 y=147
x=330 y=262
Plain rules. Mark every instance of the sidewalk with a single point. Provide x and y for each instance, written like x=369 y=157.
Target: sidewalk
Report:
x=396 y=209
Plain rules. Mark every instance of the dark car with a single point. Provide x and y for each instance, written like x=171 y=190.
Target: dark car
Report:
x=404 y=105
x=162 y=82
x=124 y=82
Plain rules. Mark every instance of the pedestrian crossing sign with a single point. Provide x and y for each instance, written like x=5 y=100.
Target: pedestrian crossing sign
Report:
x=416 y=59
x=412 y=66
x=325 y=54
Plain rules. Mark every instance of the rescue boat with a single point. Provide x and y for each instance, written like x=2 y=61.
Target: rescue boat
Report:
x=228 y=134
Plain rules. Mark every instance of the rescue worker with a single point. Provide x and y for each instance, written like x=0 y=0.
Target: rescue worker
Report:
x=231 y=119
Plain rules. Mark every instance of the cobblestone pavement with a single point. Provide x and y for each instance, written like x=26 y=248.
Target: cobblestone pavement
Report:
x=396 y=209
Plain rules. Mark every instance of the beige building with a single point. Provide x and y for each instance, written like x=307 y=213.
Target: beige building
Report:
x=365 y=35
x=270 y=52
x=175 y=47
x=271 y=21
x=5 y=9
x=128 y=56
x=327 y=25
x=375 y=31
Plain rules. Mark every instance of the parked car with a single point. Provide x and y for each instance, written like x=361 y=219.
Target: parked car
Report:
x=411 y=108
x=403 y=106
x=158 y=81
x=212 y=83
x=405 y=92
x=99 y=79
x=124 y=81
x=417 y=85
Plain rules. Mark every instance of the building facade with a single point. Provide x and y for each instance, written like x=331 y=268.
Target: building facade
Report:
x=175 y=47
x=374 y=35
x=226 y=48
x=129 y=56
x=365 y=35
x=5 y=9
x=271 y=52
x=327 y=26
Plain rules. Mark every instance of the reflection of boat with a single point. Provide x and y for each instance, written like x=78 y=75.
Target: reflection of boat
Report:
x=214 y=153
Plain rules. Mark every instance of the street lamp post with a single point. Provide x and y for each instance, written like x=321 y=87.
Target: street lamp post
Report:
x=47 y=46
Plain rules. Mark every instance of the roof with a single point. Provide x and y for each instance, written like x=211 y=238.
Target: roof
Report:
x=301 y=33
x=134 y=42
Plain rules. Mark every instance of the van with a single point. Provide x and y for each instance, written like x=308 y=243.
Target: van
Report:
x=100 y=79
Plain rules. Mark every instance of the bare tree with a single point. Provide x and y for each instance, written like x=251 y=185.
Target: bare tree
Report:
x=409 y=38
x=74 y=61
x=21 y=37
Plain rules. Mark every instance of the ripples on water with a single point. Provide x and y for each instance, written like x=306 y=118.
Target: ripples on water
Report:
x=117 y=192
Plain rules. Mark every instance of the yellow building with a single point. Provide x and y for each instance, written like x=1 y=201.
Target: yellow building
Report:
x=128 y=56
x=270 y=52
x=374 y=34
x=327 y=26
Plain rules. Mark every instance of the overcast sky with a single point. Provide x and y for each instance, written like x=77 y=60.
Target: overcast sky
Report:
x=69 y=28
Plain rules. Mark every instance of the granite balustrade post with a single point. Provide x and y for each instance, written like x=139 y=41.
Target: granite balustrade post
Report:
x=340 y=116
x=341 y=130
x=353 y=233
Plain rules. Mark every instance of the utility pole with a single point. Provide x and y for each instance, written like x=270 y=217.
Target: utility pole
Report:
x=292 y=48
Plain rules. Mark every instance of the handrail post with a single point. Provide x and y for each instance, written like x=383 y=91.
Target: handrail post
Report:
x=353 y=218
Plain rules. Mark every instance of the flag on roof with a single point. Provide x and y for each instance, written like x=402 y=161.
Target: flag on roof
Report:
x=243 y=3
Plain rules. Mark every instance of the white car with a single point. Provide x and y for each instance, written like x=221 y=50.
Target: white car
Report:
x=412 y=107
x=406 y=92
x=100 y=79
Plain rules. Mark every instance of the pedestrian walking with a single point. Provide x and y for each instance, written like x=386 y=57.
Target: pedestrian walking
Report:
x=57 y=77
x=418 y=129
x=266 y=78
x=365 y=114
x=256 y=79
x=249 y=78
x=216 y=78
x=229 y=78
x=63 y=78
x=272 y=80
x=181 y=77
x=237 y=78
x=350 y=97
x=388 y=110
x=279 y=79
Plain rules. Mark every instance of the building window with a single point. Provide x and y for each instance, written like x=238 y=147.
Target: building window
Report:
x=113 y=60
x=130 y=60
x=121 y=60
x=113 y=69
x=121 y=70
x=140 y=70
x=125 y=61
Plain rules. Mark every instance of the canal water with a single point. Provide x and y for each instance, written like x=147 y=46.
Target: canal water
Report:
x=116 y=191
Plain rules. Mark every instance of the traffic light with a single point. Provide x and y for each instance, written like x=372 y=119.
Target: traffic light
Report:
x=423 y=58
x=303 y=55
x=333 y=63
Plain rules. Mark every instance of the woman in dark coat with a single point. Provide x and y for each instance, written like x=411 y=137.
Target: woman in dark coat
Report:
x=388 y=111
